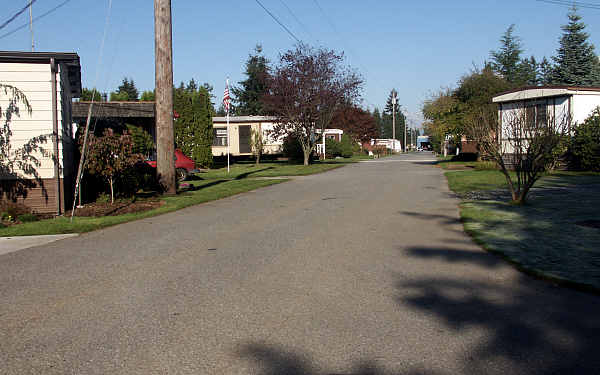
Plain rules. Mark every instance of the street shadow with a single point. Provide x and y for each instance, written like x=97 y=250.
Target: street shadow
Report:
x=530 y=327
x=442 y=219
x=453 y=255
x=272 y=360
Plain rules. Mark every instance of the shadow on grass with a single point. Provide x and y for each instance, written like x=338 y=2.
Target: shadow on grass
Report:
x=531 y=328
x=244 y=175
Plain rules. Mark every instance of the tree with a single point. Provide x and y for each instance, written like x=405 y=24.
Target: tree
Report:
x=584 y=149
x=193 y=128
x=110 y=155
x=18 y=165
x=125 y=92
x=247 y=96
x=527 y=141
x=305 y=90
x=87 y=95
x=257 y=143
x=148 y=96
x=576 y=61
x=505 y=61
x=143 y=143
x=357 y=123
x=545 y=72
x=387 y=130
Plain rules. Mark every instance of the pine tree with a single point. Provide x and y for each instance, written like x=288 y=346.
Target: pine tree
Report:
x=125 y=92
x=506 y=60
x=576 y=61
x=387 y=130
x=527 y=72
x=545 y=72
x=193 y=128
x=247 y=97
x=378 y=121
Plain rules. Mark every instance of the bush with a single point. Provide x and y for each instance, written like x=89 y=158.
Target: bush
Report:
x=466 y=156
x=292 y=148
x=584 y=148
x=27 y=218
x=347 y=146
x=332 y=148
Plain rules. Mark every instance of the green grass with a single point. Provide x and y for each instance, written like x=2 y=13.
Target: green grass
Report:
x=275 y=169
x=207 y=186
x=541 y=237
x=206 y=191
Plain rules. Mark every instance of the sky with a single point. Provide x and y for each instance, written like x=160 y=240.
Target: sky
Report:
x=416 y=47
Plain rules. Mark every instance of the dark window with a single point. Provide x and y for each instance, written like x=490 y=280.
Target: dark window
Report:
x=541 y=116
x=219 y=137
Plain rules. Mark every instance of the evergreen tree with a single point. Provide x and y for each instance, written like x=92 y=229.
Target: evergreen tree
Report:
x=387 y=130
x=88 y=94
x=378 y=121
x=193 y=128
x=247 y=97
x=507 y=59
x=545 y=72
x=147 y=96
x=576 y=62
x=125 y=92
x=527 y=72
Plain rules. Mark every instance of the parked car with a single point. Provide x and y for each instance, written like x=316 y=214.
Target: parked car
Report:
x=183 y=165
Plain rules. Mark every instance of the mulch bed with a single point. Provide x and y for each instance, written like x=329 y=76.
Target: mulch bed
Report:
x=118 y=208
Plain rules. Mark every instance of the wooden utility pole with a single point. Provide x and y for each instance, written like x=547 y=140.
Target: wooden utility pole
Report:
x=165 y=142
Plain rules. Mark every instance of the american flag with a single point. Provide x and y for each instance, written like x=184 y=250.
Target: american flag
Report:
x=226 y=98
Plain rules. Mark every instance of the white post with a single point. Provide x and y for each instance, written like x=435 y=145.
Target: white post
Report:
x=227 y=132
x=323 y=135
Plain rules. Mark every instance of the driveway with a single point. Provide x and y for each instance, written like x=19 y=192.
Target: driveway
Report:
x=361 y=270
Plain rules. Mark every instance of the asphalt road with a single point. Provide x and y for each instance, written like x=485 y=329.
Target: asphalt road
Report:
x=361 y=270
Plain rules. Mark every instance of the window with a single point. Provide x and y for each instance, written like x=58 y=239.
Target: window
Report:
x=219 y=137
x=541 y=114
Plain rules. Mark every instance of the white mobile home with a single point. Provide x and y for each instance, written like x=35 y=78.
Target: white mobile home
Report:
x=555 y=104
x=49 y=80
x=240 y=133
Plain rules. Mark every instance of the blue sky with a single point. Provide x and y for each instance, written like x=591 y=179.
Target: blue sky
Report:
x=413 y=46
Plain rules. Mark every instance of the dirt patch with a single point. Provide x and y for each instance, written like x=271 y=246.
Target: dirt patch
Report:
x=118 y=208
x=589 y=223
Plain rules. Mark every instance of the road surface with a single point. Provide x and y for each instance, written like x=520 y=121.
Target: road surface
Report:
x=361 y=270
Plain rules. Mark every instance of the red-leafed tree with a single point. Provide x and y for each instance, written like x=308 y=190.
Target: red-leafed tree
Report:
x=111 y=155
x=356 y=122
x=305 y=90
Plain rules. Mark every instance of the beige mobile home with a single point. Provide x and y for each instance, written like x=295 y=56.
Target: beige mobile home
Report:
x=49 y=80
x=240 y=135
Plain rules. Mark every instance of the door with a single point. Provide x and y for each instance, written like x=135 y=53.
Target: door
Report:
x=244 y=133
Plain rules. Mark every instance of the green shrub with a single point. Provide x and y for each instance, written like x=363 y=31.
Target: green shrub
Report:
x=584 y=149
x=346 y=146
x=292 y=148
x=27 y=218
x=332 y=148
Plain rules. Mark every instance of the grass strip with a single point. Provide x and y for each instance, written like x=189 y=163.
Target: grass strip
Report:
x=206 y=191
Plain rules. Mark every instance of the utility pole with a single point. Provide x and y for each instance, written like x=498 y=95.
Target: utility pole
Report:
x=405 y=127
x=163 y=50
x=394 y=120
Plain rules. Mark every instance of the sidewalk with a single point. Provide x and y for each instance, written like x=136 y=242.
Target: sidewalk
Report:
x=12 y=244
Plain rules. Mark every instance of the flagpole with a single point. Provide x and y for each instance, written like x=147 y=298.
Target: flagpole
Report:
x=228 y=131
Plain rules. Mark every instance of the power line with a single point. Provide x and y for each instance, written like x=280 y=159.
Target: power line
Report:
x=571 y=3
x=276 y=20
x=296 y=18
x=35 y=19
x=17 y=14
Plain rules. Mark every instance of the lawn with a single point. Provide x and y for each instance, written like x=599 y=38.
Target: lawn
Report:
x=275 y=169
x=555 y=235
x=204 y=191
x=207 y=186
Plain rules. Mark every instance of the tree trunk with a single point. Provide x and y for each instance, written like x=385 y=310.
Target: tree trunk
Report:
x=306 y=157
x=112 y=193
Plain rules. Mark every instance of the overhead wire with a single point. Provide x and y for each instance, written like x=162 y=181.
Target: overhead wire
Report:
x=35 y=19
x=17 y=14
x=297 y=19
x=279 y=22
x=577 y=4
